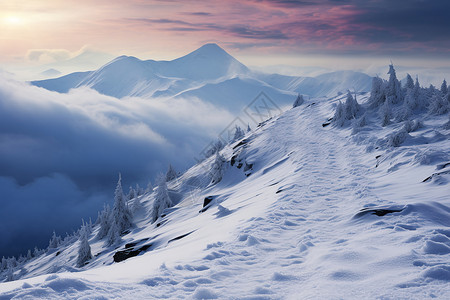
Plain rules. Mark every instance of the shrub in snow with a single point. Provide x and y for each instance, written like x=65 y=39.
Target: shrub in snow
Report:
x=411 y=126
x=84 y=250
x=299 y=101
x=171 y=174
x=359 y=123
x=396 y=139
x=248 y=129
x=217 y=168
x=162 y=199
x=385 y=114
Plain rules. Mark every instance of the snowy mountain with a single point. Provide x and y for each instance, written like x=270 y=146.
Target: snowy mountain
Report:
x=325 y=201
x=198 y=74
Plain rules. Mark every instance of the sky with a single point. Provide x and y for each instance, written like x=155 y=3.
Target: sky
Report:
x=337 y=34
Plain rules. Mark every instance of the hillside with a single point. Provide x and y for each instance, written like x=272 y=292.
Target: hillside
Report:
x=305 y=208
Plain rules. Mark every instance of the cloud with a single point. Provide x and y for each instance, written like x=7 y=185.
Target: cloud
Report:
x=60 y=153
x=48 y=55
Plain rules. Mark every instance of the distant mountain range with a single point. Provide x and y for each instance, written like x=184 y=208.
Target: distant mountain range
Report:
x=208 y=73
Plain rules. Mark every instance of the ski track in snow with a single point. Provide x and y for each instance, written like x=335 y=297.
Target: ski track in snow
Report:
x=307 y=245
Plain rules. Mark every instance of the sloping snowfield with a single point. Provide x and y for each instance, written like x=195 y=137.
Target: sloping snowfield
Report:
x=303 y=212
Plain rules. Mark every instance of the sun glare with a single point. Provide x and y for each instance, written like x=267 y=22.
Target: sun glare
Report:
x=13 y=20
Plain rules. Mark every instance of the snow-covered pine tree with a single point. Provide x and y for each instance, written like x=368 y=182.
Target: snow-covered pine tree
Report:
x=131 y=193
x=171 y=173
x=248 y=128
x=339 y=115
x=351 y=107
x=438 y=104
x=385 y=113
x=136 y=206
x=444 y=88
x=139 y=191
x=84 y=249
x=409 y=82
x=238 y=134
x=162 y=199
x=104 y=221
x=217 y=168
x=299 y=101
x=149 y=188
x=9 y=274
x=53 y=243
x=4 y=263
x=29 y=256
x=120 y=214
x=377 y=94
x=113 y=236
x=393 y=90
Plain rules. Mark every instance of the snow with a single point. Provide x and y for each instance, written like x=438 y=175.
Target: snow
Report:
x=208 y=73
x=313 y=212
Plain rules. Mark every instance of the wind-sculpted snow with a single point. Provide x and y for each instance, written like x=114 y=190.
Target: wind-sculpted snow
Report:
x=316 y=216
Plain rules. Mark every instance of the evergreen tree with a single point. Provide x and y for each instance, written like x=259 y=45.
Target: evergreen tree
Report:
x=171 y=173
x=139 y=191
x=444 y=88
x=217 y=168
x=149 y=188
x=4 y=263
x=409 y=82
x=162 y=199
x=131 y=193
x=10 y=274
x=385 y=112
x=299 y=101
x=351 y=107
x=104 y=221
x=238 y=134
x=438 y=105
x=339 y=115
x=53 y=244
x=120 y=214
x=377 y=94
x=248 y=128
x=113 y=236
x=84 y=249
x=29 y=256
x=393 y=90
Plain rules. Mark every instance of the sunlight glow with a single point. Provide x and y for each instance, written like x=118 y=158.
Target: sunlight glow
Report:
x=13 y=20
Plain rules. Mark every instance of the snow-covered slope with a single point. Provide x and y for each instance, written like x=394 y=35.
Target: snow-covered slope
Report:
x=197 y=73
x=303 y=211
